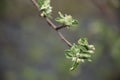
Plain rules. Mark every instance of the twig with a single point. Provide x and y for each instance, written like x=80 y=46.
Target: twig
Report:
x=53 y=25
x=36 y=4
x=50 y=23
x=60 y=27
x=64 y=39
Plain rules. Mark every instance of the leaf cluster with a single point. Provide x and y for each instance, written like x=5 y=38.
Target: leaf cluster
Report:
x=80 y=52
x=66 y=20
x=45 y=7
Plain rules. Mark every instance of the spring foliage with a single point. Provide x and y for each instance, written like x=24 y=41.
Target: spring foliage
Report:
x=78 y=53
x=45 y=7
x=66 y=20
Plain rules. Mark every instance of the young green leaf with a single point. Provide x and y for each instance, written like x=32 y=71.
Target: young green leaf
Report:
x=83 y=41
x=41 y=2
x=80 y=52
x=74 y=66
x=45 y=7
x=66 y=20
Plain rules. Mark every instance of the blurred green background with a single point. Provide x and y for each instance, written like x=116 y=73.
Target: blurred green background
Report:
x=31 y=50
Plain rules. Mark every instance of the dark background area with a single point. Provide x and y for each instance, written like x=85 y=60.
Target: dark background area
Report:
x=31 y=50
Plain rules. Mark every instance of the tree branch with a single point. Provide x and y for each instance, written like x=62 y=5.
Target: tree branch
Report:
x=50 y=23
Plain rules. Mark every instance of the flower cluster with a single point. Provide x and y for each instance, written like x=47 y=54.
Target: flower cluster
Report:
x=45 y=7
x=66 y=20
x=80 y=52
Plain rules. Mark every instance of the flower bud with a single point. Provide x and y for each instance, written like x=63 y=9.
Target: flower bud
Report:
x=89 y=60
x=91 y=47
x=77 y=54
x=80 y=60
x=90 y=51
x=85 y=55
x=74 y=59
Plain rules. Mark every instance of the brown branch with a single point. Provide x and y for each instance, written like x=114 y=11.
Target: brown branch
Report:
x=53 y=25
x=64 y=39
x=50 y=23
x=36 y=4
x=60 y=27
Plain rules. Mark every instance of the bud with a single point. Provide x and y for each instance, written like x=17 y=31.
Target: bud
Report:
x=71 y=68
x=82 y=60
x=90 y=51
x=85 y=55
x=89 y=60
x=42 y=15
x=91 y=47
x=77 y=54
x=74 y=59
x=78 y=60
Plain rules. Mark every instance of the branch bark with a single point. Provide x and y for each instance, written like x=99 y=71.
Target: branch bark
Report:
x=50 y=23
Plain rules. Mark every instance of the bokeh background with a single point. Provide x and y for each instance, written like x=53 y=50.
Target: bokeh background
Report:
x=31 y=50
